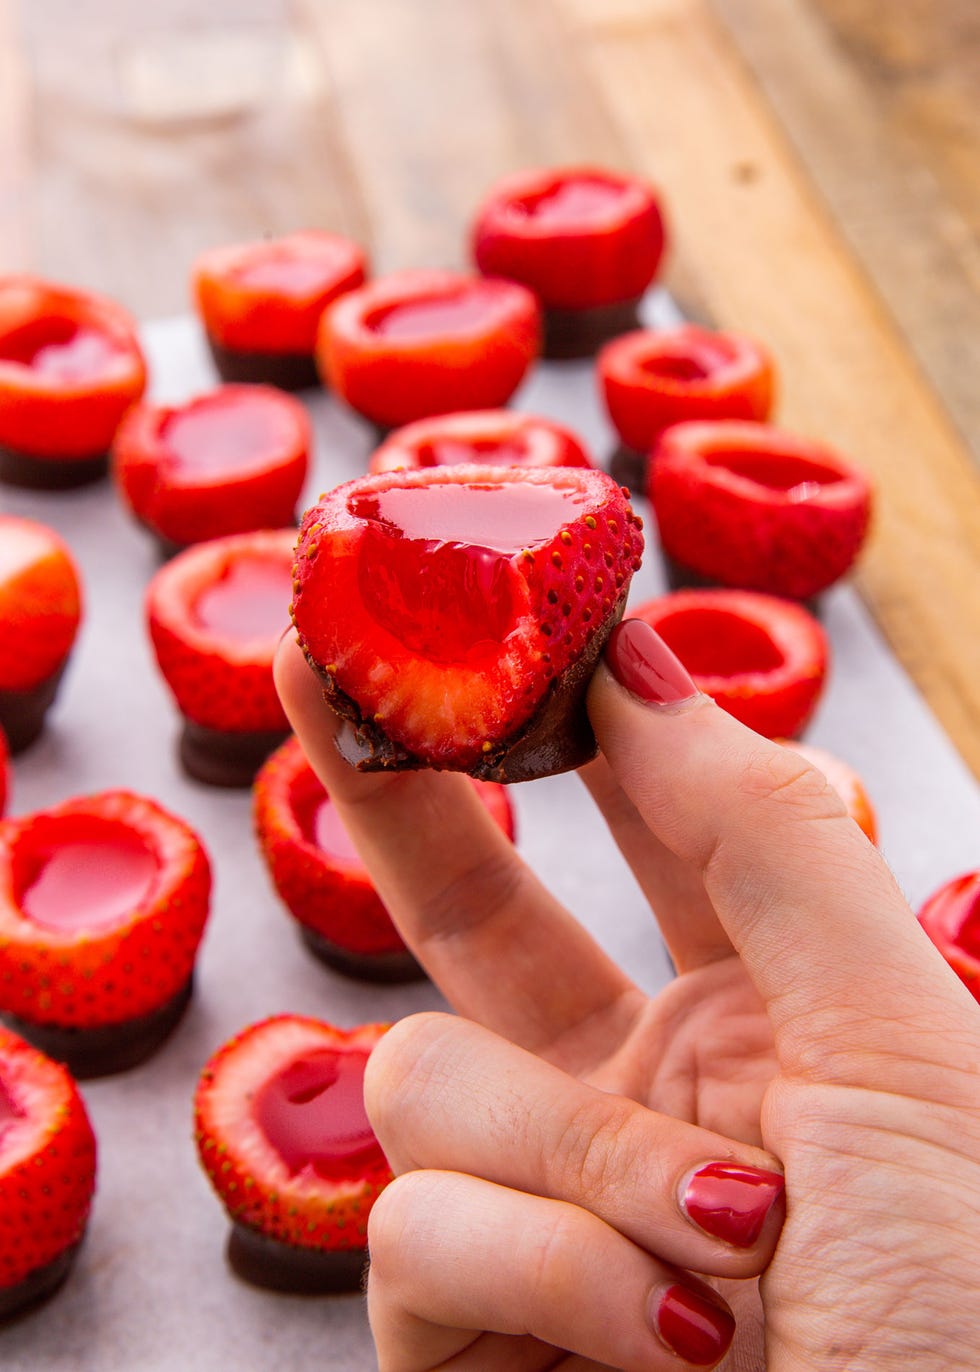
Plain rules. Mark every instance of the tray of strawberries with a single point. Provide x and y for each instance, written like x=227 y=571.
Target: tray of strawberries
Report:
x=184 y=925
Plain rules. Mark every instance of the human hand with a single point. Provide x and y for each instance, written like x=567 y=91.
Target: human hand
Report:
x=545 y=1206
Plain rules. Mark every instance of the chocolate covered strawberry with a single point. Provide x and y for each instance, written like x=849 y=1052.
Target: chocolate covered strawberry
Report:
x=845 y=781
x=284 y=1138
x=455 y=615
x=763 y=659
x=749 y=505
x=47 y=1174
x=321 y=879
x=103 y=901
x=951 y=918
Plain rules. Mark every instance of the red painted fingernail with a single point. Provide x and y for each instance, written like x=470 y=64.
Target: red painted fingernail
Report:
x=696 y=1325
x=640 y=660
x=731 y=1202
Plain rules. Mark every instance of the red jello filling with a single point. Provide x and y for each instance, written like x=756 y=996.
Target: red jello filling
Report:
x=249 y=601
x=88 y=882
x=10 y=1111
x=451 y=452
x=797 y=476
x=312 y=1112
x=225 y=431
x=436 y=316
x=60 y=350
x=287 y=274
x=572 y=203
x=712 y=643
x=324 y=828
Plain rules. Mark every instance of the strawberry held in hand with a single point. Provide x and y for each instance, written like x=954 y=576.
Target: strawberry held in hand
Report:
x=456 y=614
x=47 y=1174
x=285 y=1140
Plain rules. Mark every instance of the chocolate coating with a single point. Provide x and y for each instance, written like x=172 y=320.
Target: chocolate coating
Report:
x=627 y=467
x=264 y=1261
x=50 y=473
x=106 y=1049
x=288 y=371
x=219 y=758
x=387 y=968
x=22 y=712
x=37 y=1286
x=681 y=578
x=580 y=333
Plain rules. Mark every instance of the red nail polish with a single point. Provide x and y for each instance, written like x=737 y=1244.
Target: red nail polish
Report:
x=640 y=660
x=696 y=1325
x=731 y=1202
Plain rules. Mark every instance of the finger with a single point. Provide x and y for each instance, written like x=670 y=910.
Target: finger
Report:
x=806 y=900
x=496 y=942
x=691 y=930
x=447 y=1094
x=453 y=1256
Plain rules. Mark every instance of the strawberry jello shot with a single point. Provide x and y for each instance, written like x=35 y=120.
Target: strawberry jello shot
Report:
x=215 y=615
x=951 y=918
x=498 y=438
x=586 y=240
x=40 y=611
x=47 y=1174
x=319 y=876
x=260 y=303
x=419 y=343
x=763 y=659
x=70 y=367
x=103 y=902
x=227 y=462
x=650 y=379
x=284 y=1138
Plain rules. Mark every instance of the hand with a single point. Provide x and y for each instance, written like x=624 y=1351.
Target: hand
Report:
x=550 y=1206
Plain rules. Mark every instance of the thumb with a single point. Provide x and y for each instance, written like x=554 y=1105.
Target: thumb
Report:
x=808 y=903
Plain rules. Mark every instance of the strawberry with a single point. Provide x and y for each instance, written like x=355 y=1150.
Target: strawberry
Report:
x=103 y=901
x=763 y=659
x=951 y=918
x=748 y=505
x=495 y=438
x=40 y=611
x=845 y=782
x=455 y=614
x=47 y=1174
x=215 y=616
x=284 y=1139
x=319 y=876
x=229 y=461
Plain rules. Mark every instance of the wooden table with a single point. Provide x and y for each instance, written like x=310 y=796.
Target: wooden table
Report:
x=820 y=160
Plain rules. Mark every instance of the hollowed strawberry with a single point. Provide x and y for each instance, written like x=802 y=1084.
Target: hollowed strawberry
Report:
x=215 y=615
x=752 y=506
x=103 y=901
x=47 y=1174
x=456 y=614
x=763 y=659
x=261 y=302
x=285 y=1141
x=495 y=438
x=420 y=343
x=226 y=463
x=951 y=918
x=70 y=367
x=40 y=610
x=845 y=782
x=321 y=879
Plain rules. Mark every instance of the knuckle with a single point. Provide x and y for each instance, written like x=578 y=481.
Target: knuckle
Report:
x=781 y=777
x=588 y=1157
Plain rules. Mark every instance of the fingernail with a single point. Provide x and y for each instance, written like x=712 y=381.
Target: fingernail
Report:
x=731 y=1202
x=640 y=660
x=696 y=1325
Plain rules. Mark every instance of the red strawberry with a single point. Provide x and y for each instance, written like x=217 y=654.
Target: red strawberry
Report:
x=763 y=659
x=232 y=460
x=845 y=782
x=40 y=610
x=748 y=505
x=215 y=615
x=456 y=614
x=319 y=876
x=497 y=438
x=951 y=918
x=284 y=1138
x=103 y=901
x=47 y=1174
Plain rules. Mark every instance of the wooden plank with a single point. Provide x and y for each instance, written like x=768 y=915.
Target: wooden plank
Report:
x=15 y=238
x=769 y=259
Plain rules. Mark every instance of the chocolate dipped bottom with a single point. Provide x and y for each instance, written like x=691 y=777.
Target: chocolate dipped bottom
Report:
x=24 y=1296
x=390 y=968
x=288 y=371
x=22 y=713
x=222 y=758
x=276 y=1266
x=35 y=473
x=570 y=334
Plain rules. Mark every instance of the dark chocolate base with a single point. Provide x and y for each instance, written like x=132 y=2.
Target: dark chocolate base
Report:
x=109 y=1048
x=288 y=371
x=276 y=1266
x=681 y=578
x=37 y=1286
x=22 y=712
x=630 y=468
x=557 y=738
x=388 y=968
x=230 y=760
x=50 y=473
x=580 y=333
